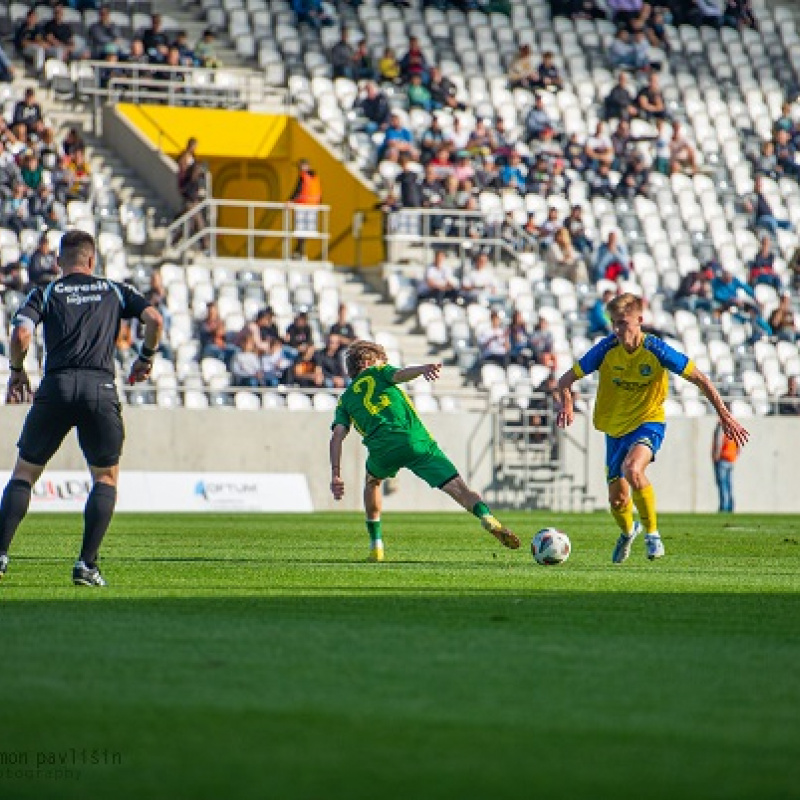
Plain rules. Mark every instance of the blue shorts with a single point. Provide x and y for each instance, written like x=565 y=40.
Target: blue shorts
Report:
x=650 y=434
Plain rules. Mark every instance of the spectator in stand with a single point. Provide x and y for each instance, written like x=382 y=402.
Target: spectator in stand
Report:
x=246 y=367
x=694 y=291
x=275 y=362
x=413 y=62
x=59 y=36
x=656 y=31
x=621 y=143
x=408 y=184
x=439 y=283
x=312 y=13
x=441 y=164
x=504 y=140
x=786 y=122
x=458 y=136
x=299 y=335
x=599 y=320
x=731 y=294
x=612 y=261
x=29 y=40
x=786 y=155
x=573 y=153
x=512 y=175
x=443 y=91
x=739 y=14
x=397 y=139
x=707 y=12
x=626 y=12
x=758 y=205
x=620 y=103
x=103 y=34
x=431 y=189
x=205 y=50
x=432 y=140
x=45 y=211
x=488 y=176
x=599 y=148
x=418 y=94
x=767 y=161
x=6 y=68
x=493 y=342
x=31 y=171
x=124 y=352
x=650 y=100
x=600 y=184
x=481 y=141
x=342 y=327
x=213 y=336
x=519 y=341
x=546 y=232
x=264 y=327
x=577 y=230
x=388 y=67
x=374 y=106
x=563 y=259
x=341 y=57
x=16 y=211
x=549 y=77
x=625 y=53
x=330 y=369
x=27 y=118
x=542 y=344
x=155 y=41
x=537 y=119
x=682 y=154
x=187 y=55
x=363 y=65
x=136 y=55
x=789 y=403
x=480 y=285
x=762 y=267
x=42 y=268
x=662 y=154
x=781 y=320
x=635 y=179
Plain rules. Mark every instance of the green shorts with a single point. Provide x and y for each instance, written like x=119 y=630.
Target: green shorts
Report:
x=423 y=457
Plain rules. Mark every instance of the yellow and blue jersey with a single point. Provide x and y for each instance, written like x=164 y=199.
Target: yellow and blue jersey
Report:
x=633 y=386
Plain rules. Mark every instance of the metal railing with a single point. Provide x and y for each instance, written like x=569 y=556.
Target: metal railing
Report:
x=102 y=81
x=433 y=229
x=286 y=225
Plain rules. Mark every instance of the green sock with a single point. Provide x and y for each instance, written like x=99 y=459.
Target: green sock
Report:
x=481 y=510
x=374 y=530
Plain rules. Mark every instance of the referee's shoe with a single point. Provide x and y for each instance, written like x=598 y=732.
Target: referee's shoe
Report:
x=83 y=575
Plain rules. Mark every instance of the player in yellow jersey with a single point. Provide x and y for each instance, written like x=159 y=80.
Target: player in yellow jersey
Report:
x=396 y=438
x=629 y=409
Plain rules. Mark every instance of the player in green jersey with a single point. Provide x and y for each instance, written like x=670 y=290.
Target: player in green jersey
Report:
x=395 y=438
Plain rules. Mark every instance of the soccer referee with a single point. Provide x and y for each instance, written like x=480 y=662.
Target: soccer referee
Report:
x=81 y=316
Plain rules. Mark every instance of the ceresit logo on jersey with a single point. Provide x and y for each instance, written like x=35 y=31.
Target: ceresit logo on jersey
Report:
x=80 y=288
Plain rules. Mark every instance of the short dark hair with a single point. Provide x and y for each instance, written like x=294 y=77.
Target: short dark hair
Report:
x=76 y=247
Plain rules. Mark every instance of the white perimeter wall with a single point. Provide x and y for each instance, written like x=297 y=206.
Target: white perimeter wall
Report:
x=765 y=478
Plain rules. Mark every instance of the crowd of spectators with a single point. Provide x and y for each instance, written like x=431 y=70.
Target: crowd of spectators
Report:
x=260 y=354
x=106 y=40
x=39 y=176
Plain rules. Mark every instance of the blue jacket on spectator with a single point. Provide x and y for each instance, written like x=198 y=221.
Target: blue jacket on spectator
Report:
x=725 y=293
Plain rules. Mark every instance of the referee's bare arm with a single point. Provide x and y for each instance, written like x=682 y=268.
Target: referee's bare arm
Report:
x=153 y=326
x=19 y=385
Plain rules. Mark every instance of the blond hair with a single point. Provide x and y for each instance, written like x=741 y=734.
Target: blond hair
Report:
x=362 y=354
x=624 y=303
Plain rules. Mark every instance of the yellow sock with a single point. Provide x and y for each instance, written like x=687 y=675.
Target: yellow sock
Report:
x=624 y=517
x=645 y=500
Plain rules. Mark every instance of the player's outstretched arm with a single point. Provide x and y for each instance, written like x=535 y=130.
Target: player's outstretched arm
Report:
x=733 y=429
x=337 y=484
x=430 y=372
x=565 y=413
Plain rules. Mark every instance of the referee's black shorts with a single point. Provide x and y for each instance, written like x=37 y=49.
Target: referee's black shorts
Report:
x=82 y=399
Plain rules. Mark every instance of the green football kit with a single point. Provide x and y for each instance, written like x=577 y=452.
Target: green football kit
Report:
x=392 y=431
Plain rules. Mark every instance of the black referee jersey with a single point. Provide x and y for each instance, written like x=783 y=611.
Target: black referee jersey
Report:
x=81 y=316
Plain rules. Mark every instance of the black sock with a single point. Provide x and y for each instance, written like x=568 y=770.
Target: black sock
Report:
x=97 y=517
x=13 y=508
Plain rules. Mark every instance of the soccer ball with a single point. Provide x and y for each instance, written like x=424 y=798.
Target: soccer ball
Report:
x=550 y=546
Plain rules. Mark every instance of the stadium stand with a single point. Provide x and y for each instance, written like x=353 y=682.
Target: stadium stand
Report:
x=675 y=183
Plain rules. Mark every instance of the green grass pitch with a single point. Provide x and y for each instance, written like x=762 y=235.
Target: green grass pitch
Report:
x=261 y=657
